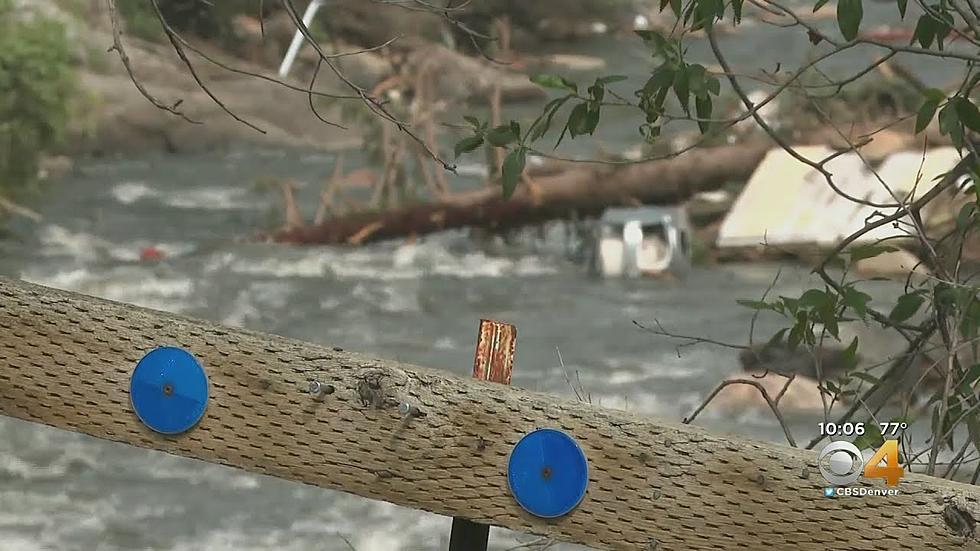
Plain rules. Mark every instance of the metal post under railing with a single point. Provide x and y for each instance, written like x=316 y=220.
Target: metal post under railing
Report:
x=493 y=361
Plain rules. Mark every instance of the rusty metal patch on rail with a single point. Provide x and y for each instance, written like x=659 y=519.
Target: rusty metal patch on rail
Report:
x=495 y=346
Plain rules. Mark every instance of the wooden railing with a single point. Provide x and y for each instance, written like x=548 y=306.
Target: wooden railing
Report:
x=66 y=361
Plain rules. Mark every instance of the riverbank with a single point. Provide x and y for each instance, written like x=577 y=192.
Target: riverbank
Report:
x=245 y=105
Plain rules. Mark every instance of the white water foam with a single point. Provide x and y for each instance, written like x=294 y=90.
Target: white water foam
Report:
x=86 y=247
x=128 y=193
x=135 y=285
x=388 y=298
x=404 y=262
x=206 y=197
x=258 y=296
x=210 y=198
x=12 y=466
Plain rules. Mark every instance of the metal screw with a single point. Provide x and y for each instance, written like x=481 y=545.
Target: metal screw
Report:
x=408 y=410
x=319 y=390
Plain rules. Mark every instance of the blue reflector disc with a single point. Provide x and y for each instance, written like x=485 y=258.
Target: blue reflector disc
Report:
x=169 y=390
x=548 y=473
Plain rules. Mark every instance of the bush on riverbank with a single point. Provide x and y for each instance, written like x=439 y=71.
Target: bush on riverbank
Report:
x=36 y=87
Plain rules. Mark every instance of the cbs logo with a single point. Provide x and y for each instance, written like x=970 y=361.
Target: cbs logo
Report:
x=841 y=463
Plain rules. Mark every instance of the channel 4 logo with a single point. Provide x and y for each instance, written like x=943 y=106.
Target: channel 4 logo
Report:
x=841 y=464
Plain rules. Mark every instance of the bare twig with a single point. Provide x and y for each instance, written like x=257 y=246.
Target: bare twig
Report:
x=765 y=395
x=18 y=210
x=178 y=47
x=117 y=45
x=689 y=340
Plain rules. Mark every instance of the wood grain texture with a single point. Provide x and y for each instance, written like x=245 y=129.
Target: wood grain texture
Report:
x=65 y=360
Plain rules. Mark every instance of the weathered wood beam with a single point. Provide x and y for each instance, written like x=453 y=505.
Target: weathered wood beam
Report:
x=65 y=360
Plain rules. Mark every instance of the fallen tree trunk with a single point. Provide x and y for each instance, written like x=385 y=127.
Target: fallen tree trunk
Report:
x=584 y=189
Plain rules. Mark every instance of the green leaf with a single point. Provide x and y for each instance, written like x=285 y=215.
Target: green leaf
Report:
x=737 y=10
x=541 y=126
x=818 y=5
x=467 y=144
x=554 y=81
x=714 y=86
x=662 y=77
x=583 y=120
x=968 y=113
x=949 y=124
x=902 y=4
x=653 y=38
x=702 y=107
x=849 y=356
x=973 y=428
x=828 y=317
x=926 y=112
x=776 y=339
x=754 y=304
x=712 y=9
x=943 y=23
x=872 y=437
x=869 y=251
x=791 y=304
x=512 y=169
x=502 y=135
x=697 y=80
x=474 y=122
x=849 y=15
x=971 y=376
x=925 y=31
x=934 y=94
x=682 y=87
x=965 y=217
x=970 y=324
x=857 y=301
x=597 y=91
x=797 y=333
x=576 y=119
x=675 y=6
x=696 y=14
x=592 y=119
x=814 y=298
x=906 y=307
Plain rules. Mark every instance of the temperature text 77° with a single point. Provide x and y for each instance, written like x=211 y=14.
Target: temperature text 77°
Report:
x=893 y=428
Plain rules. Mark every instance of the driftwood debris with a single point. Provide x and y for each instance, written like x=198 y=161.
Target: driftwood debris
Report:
x=581 y=188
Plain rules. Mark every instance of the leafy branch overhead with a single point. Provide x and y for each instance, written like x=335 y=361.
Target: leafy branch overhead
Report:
x=945 y=308
x=690 y=84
